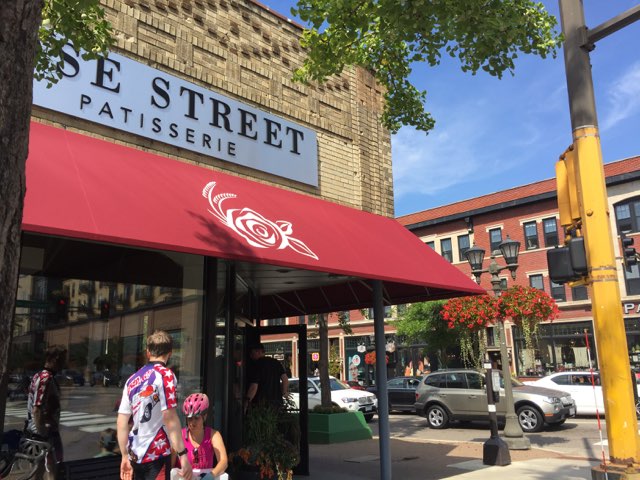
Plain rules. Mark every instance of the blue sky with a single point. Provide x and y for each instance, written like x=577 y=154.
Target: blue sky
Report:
x=495 y=134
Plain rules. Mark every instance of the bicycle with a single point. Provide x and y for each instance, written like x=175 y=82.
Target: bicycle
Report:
x=27 y=461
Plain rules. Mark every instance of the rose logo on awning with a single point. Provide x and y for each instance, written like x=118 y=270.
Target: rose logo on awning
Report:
x=257 y=230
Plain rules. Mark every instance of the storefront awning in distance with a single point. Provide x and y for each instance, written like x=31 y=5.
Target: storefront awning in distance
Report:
x=301 y=254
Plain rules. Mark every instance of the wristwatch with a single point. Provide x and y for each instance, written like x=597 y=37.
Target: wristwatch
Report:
x=183 y=452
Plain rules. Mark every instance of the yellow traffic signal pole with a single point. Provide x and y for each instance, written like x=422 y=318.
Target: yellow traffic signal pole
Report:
x=610 y=336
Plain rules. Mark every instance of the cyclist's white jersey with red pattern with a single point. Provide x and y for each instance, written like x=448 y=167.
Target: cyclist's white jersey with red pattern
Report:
x=44 y=393
x=147 y=393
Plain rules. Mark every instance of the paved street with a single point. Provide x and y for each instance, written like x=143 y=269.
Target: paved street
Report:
x=436 y=454
x=85 y=410
x=577 y=437
x=568 y=453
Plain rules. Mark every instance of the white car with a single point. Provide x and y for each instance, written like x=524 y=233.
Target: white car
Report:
x=587 y=395
x=341 y=395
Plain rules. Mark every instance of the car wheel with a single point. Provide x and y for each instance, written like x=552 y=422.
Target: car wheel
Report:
x=530 y=419
x=368 y=417
x=638 y=409
x=437 y=417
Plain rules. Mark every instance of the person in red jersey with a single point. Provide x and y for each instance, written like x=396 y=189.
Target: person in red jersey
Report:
x=149 y=397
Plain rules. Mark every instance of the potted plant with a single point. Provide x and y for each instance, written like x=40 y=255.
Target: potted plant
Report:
x=270 y=448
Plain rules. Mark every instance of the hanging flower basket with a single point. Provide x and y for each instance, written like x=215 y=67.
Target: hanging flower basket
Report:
x=527 y=304
x=526 y=307
x=370 y=358
x=470 y=313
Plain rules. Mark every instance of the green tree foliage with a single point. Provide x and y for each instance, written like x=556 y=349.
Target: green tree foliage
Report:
x=389 y=36
x=335 y=361
x=422 y=323
x=80 y=22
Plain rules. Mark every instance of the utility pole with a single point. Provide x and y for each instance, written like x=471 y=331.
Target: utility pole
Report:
x=594 y=225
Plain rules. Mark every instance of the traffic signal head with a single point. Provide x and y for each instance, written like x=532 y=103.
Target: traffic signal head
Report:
x=61 y=305
x=104 y=309
x=568 y=263
x=629 y=256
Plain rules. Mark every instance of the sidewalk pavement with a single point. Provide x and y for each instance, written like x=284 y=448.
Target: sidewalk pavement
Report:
x=410 y=460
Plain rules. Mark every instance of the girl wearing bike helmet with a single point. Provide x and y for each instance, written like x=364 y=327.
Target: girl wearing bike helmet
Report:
x=205 y=447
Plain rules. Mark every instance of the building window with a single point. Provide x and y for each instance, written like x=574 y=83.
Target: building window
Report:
x=463 y=246
x=276 y=321
x=579 y=293
x=531 y=235
x=535 y=281
x=632 y=280
x=431 y=244
x=558 y=292
x=495 y=238
x=446 y=250
x=559 y=346
x=493 y=340
x=550 y=228
x=106 y=353
x=628 y=216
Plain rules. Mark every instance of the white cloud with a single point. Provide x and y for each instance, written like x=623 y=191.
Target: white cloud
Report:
x=489 y=135
x=623 y=98
x=430 y=164
x=465 y=149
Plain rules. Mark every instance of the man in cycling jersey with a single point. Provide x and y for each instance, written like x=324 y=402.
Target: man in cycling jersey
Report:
x=43 y=410
x=149 y=397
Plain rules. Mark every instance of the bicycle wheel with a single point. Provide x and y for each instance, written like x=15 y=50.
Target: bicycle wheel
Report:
x=6 y=461
x=29 y=461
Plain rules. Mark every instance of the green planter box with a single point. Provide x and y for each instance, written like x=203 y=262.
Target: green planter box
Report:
x=338 y=427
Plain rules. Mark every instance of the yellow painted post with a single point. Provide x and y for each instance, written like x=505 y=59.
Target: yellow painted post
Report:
x=562 y=185
x=568 y=203
x=574 y=201
x=610 y=335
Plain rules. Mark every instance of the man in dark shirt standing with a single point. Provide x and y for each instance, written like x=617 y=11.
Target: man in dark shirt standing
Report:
x=268 y=382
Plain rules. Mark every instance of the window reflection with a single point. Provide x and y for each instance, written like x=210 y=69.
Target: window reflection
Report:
x=100 y=302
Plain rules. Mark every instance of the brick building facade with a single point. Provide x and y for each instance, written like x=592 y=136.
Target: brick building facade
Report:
x=529 y=214
x=247 y=52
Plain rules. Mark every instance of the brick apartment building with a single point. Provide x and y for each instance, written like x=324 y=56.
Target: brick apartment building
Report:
x=529 y=214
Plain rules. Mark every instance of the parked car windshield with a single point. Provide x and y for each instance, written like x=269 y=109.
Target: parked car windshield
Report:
x=335 y=384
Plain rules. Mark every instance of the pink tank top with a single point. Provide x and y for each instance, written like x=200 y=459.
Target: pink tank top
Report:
x=204 y=457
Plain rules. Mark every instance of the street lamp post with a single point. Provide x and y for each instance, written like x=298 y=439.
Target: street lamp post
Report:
x=514 y=437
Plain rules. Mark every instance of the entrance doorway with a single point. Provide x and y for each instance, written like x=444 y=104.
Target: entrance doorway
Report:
x=299 y=357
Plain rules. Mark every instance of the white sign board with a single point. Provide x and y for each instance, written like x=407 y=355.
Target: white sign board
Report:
x=127 y=95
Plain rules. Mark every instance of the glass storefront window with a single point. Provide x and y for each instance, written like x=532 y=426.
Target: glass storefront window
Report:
x=355 y=350
x=557 y=347
x=100 y=302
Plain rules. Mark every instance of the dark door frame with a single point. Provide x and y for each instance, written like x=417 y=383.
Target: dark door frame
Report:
x=301 y=331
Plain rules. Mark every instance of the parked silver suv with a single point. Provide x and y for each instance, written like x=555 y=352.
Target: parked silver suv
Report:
x=447 y=395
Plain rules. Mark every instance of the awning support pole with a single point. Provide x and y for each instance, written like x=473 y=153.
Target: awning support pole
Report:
x=381 y=381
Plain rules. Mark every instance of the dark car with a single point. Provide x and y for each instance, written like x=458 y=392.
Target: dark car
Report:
x=401 y=392
x=70 y=377
x=18 y=387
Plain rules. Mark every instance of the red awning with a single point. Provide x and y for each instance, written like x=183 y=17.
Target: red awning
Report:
x=85 y=188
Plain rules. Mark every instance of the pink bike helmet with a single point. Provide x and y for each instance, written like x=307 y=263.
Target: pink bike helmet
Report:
x=196 y=404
